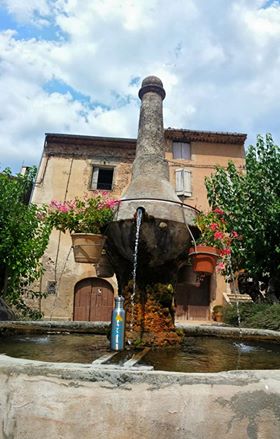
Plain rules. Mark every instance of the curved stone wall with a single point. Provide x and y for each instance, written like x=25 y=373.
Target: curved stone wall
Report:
x=72 y=401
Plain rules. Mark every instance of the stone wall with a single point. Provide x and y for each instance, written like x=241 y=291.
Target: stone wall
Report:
x=65 y=172
x=72 y=401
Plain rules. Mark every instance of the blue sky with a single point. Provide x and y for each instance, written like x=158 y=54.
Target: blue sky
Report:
x=75 y=67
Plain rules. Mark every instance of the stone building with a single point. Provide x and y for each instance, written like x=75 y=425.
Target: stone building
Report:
x=73 y=165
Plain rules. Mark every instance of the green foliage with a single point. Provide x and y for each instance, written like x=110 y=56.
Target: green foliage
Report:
x=87 y=215
x=251 y=202
x=253 y=315
x=23 y=237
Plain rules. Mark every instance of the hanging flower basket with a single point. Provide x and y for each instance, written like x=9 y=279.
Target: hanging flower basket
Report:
x=87 y=247
x=204 y=259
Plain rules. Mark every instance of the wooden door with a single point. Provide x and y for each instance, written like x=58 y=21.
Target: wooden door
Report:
x=192 y=298
x=93 y=300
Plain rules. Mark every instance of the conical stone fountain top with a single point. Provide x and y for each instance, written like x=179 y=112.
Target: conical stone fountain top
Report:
x=150 y=174
x=164 y=235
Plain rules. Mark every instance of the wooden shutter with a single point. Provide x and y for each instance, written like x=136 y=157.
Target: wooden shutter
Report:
x=177 y=150
x=187 y=183
x=181 y=150
x=179 y=181
x=183 y=182
x=186 y=151
x=94 y=178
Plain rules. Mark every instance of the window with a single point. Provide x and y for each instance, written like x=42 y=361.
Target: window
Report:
x=51 y=287
x=181 y=150
x=183 y=182
x=102 y=178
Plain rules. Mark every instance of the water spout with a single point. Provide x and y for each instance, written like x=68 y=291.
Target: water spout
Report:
x=139 y=215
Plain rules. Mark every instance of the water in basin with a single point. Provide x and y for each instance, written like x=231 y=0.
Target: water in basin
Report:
x=197 y=354
x=211 y=354
x=69 y=348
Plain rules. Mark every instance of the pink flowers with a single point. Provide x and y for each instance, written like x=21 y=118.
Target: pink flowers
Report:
x=220 y=266
x=214 y=226
x=225 y=251
x=218 y=235
x=218 y=211
x=86 y=215
x=110 y=203
x=63 y=207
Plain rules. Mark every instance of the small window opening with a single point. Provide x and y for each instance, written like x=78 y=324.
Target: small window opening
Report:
x=105 y=179
x=102 y=178
x=51 y=287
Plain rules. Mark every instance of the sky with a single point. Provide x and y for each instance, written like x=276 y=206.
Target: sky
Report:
x=75 y=66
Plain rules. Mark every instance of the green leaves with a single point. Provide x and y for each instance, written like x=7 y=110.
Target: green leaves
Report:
x=251 y=201
x=23 y=236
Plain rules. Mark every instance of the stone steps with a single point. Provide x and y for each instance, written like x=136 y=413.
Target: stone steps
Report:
x=233 y=298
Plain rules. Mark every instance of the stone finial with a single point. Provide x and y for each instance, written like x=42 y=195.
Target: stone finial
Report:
x=152 y=83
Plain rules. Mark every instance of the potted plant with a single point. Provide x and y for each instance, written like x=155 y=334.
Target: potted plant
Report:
x=85 y=219
x=218 y=313
x=213 y=247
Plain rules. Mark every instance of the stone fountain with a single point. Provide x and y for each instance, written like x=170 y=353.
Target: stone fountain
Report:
x=165 y=230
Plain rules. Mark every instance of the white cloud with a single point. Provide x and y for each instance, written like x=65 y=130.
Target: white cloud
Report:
x=31 y=11
x=219 y=62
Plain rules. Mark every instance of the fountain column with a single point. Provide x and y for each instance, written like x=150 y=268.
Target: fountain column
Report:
x=164 y=236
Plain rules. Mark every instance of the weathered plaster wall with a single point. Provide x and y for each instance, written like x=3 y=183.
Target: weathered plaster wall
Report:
x=205 y=156
x=76 y=401
x=66 y=177
x=65 y=172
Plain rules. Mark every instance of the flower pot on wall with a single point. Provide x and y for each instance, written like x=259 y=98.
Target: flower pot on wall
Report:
x=204 y=259
x=87 y=247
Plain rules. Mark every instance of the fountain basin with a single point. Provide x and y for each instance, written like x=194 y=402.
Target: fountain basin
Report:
x=196 y=354
x=65 y=400
x=205 y=348
x=71 y=400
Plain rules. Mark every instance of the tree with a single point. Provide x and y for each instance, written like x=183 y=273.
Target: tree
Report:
x=23 y=238
x=251 y=201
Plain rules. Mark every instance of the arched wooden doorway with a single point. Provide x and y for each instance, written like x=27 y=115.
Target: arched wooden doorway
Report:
x=93 y=300
x=192 y=297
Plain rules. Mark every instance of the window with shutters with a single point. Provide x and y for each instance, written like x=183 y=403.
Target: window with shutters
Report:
x=102 y=178
x=181 y=150
x=183 y=182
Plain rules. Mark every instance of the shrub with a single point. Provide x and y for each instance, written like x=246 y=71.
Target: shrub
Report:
x=253 y=315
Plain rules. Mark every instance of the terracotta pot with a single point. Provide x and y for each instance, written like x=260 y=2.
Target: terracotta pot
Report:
x=204 y=259
x=87 y=247
x=218 y=317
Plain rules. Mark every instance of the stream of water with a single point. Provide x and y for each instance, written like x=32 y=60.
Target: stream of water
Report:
x=139 y=214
